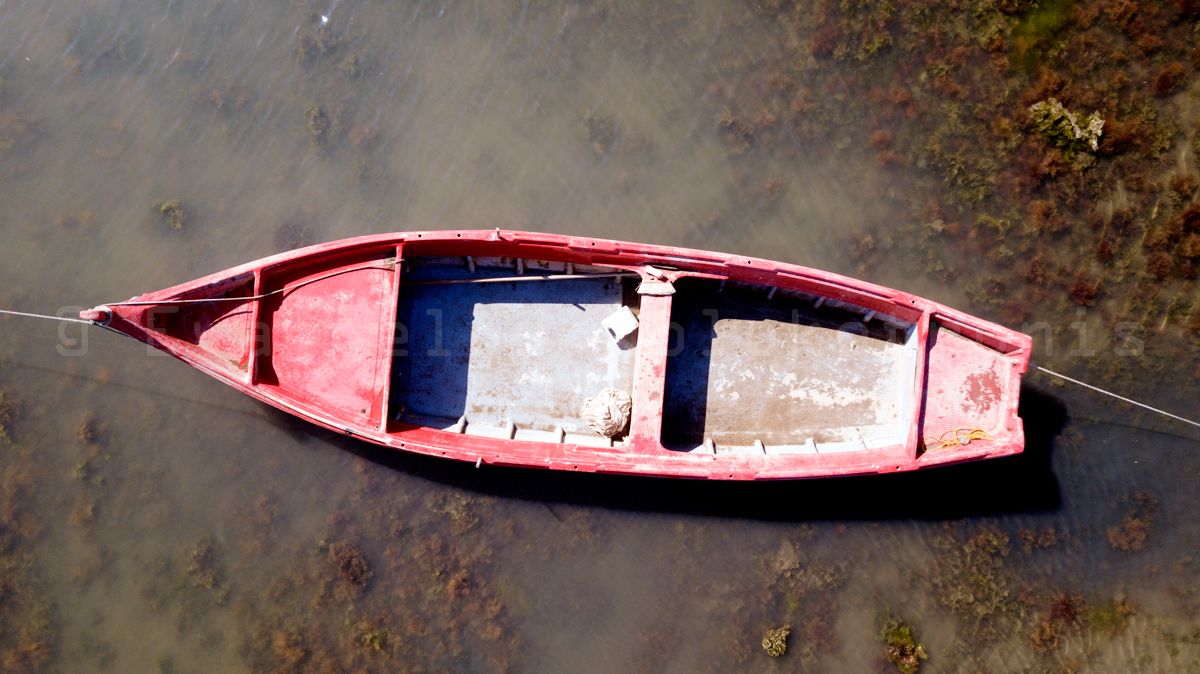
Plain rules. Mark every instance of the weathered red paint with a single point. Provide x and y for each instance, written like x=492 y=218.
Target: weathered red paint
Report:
x=323 y=352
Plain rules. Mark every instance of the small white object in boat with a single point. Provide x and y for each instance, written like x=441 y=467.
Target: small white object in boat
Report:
x=620 y=323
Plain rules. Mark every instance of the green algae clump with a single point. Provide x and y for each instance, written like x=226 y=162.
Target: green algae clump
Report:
x=319 y=125
x=201 y=568
x=902 y=648
x=376 y=639
x=1041 y=24
x=775 y=642
x=1109 y=619
x=172 y=213
x=1061 y=127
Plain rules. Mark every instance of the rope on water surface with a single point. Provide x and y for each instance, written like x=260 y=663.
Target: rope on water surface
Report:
x=1118 y=397
x=387 y=265
x=46 y=316
x=958 y=436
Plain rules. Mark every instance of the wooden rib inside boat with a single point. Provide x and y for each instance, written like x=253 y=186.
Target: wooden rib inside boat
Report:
x=484 y=345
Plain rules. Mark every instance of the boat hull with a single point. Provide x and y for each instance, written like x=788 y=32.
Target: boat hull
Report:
x=480 y=346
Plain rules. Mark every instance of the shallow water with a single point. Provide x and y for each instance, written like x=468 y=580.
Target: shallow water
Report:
x=154 y=520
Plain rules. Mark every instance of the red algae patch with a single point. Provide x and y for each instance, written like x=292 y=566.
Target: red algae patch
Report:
x=1133 y=532
x=351 y=563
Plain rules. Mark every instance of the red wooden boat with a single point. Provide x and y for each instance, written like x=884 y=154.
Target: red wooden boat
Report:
x=483 y=346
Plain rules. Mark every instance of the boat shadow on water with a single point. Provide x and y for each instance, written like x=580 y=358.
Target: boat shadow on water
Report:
x=1021 y=483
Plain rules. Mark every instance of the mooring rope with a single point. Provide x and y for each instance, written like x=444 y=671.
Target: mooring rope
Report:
x=514 y=279
x=46 y=316
x=942 y=441
x=388 y=264
x=956 y=437
x=1118 y=397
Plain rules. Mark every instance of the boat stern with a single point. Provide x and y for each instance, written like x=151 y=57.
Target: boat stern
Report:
x=972 y=389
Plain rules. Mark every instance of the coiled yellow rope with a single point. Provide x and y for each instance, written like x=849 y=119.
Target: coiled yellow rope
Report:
x=958 y=437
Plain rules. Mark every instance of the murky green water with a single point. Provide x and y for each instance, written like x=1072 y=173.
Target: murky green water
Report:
x=153 y=520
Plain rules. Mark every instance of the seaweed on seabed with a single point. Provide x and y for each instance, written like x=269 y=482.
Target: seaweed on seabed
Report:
x=1063 y=129
x=970 y=578
x=351 y=563
x=316 y=41
x=1065 y=611
x=1170 y=79
x=601 y=132
x=172 y=213
x=27 y=643
x=1037 y=28
x=17 y=129
x=319 y=126
x=902 y=648
x=775 y=642
x=8 y=413
x=88 y=430
x=374 y=636
x=202 y=571
x=1134 y=530
x=1109 y=618
x=27 y=629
